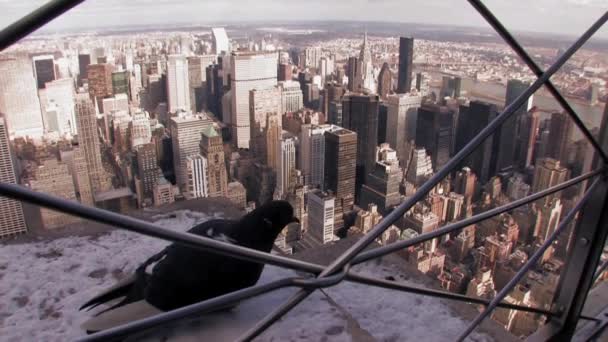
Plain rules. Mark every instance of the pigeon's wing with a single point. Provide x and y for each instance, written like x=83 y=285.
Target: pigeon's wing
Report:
x=188 y=275
x=214 y=228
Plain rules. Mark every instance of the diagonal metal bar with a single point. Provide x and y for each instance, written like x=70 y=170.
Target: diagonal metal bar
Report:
x=379 y=252
x=361 y=244
x=146 y=228
x=33 y=21
x=393 y=285
x=531 y=262
x=22 y=193
x=600 y=271
x=452 y=227
x=521 y=52
x=238 y=296
x=211 y=305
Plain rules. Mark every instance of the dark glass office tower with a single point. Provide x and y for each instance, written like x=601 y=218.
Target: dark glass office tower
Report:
x=434 y=132
x=406 y=57
x=44 y=70
x=508 y=131
x=339 y=174
x=471 y=121
x=560 y=131
x=360 y=115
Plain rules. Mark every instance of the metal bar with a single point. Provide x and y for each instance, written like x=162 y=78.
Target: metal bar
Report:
x=400 y=245
x=33 y=21
x=583 y=258
x=186 y=311
x=599 y=272
x=387 y=221
x=460 y=156
x=531 y=262
x=211 y=305
x=577 y=278
x=24 y=194
x=521 y=52
x=275 y=315
x=237 y=296
x=392 y=285
x=21 y=193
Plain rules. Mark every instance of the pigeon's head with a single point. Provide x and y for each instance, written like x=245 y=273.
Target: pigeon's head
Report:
x=267 y=221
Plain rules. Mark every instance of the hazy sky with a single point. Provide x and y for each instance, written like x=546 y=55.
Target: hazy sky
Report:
x=557 y=16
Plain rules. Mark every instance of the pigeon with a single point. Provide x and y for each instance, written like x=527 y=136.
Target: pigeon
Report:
x=182 y=275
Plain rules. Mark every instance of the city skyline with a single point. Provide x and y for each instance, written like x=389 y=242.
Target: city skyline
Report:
x=344 y=125
x=518 y=15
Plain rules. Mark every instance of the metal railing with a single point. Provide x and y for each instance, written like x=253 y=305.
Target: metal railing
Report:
x=569 y=301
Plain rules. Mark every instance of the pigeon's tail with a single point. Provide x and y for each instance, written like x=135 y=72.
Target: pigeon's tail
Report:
x=121 y=289
x=131 y=289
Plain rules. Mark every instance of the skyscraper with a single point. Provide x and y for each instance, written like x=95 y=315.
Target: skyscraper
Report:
x=196 y=166
x=367 y=68
x=321 y=211
x=262 y=102
x=197 y=80
x=465 y=184
x=291 y=97
x=508 y=130
x=355 y=78
x=312 y=153
x=471 y=121
x=120 y=82
x=450 y=87
x=84 y=59
x=560 y=132
x=53 y=177
x=19 y=98
x=249 y=71
x=147 y=167
x=341 y=148
x=141 y=132
x=163 y=192
x=549 y=172
x=285 y=72
x=12 y=221
x=312 y=55
x=434 y=132
x=80 y=176
x=212 y=148
x=385 y=81
x=406 y=57
x=44 y=69
x=360 y=115
x=382 y=188
x=547 y=218
x=61 y=93
x=273 y=142
x=178 y=86
x=287 y=154
x=88 y=137
x=527 y=133
x=420 y=167
x=221 y=43
x=186 y=136
x=401 y=123
x=100 y=83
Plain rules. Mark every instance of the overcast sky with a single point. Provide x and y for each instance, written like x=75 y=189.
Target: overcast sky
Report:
x=556 y=16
